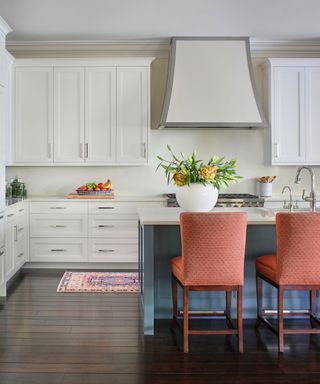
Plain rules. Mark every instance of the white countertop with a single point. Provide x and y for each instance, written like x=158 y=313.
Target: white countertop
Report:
x=170 y=216
x=117 y=198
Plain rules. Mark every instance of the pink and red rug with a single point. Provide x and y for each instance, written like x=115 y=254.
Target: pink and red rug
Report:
x=115 y=282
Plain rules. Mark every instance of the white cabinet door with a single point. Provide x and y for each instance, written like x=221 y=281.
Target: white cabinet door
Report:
x=9 y=254
x=2 y=229
x=313 y=115
x=33 y=115
x=68 y=115
x=2 y=272
x=289 y=119
x=132 y=114
x=100 y=115
x=2 y=148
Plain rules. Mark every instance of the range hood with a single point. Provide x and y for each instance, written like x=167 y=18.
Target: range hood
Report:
x=211 y=85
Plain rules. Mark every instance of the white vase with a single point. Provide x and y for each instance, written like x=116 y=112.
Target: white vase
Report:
x=197 y=197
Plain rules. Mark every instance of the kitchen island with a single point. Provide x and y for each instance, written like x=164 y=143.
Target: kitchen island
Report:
x=159 y=241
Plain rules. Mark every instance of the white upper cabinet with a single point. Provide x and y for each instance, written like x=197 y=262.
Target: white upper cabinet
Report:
x=132 y=114
x=33 y=115
x=100 y=115
x=312 y=76
x=294 y=114
x=82 y=111
x=68 y=115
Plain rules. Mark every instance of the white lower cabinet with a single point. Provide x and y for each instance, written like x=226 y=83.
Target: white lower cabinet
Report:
x=101 y=250
x=58 y=250
x=16 y=238
x=2 y=272
x=85 y=231
x=57 y=225
x=102 y=226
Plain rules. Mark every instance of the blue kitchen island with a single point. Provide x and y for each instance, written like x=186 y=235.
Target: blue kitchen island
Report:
x=159 y=241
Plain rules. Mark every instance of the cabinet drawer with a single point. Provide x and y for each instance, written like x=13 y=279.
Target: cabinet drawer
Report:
x=58 y=207
x=2 y=265
x=101 y=227
x=104 y=251
x=104 y=208
x=58 y=250
x=21 y=229
x=2 y=229
x=58 y=225
x=21 y=254
x=16 y=210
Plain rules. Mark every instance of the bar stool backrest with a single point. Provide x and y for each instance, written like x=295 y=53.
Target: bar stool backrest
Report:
x=298 y=248
x=213 y=247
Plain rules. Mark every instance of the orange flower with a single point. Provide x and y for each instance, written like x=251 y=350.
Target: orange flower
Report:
x=180 y=179
x=208 y=172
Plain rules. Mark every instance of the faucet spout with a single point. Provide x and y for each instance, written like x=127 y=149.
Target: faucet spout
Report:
x=312 y=197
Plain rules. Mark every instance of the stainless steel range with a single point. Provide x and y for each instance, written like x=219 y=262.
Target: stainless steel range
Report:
x=226 y=200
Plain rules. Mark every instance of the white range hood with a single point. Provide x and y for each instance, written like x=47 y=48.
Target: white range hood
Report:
x=211 y=85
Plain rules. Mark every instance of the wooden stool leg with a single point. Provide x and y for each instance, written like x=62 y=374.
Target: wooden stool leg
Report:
x=280 y=319
x=185 y=320
x=174 y=286
x=313 y=308
x=228 y=308
x=239 y=320
x=259 y=294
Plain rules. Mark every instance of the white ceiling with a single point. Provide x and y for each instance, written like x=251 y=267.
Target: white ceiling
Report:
x=112 y=19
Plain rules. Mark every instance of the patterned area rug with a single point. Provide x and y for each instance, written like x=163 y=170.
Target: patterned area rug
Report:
x=116 y=282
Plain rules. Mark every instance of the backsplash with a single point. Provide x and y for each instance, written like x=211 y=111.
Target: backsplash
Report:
x=246 y=145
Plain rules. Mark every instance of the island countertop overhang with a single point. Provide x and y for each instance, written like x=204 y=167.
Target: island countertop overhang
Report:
x=170 y=216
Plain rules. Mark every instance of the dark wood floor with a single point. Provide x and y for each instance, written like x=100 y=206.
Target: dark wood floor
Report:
x=49 y=338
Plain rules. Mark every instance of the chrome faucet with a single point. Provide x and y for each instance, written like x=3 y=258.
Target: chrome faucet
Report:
x=290 y=205
x=312 y=197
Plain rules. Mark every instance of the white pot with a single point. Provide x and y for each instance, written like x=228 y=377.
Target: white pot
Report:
x=197 y=197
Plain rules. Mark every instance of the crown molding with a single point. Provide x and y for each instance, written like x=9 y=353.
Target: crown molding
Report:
x=90 y=48
x=296 y=48
x=149 y=47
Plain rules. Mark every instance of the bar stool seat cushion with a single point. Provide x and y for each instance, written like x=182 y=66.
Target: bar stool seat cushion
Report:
x=176 y=268
x=266 y=265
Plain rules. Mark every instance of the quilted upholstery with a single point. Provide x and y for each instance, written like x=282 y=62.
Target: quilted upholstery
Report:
x=213 y=249
x=298 y=249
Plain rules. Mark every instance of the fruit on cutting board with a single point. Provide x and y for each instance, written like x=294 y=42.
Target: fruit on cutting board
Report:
x=92 y=186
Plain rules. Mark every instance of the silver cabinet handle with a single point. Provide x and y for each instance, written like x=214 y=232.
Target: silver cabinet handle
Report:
x=81 y=145
x=15 y=233
x=144 y=150
x=1 y=253
x=10 y=215
x=58 y=250
x=105 y=207
x=86 y=150
x=276 y=146
x=20 y=255
x=106 y=250
x=105 y=226
x=50 y=150
x=21 y=210
x=20 y=229
x=58 y=226
x=58 y=207
x=1 y=217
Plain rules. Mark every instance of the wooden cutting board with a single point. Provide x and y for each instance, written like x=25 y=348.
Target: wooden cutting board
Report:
x=100 y=197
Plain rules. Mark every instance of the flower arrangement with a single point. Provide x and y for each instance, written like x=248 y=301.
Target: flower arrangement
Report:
x=187 y=170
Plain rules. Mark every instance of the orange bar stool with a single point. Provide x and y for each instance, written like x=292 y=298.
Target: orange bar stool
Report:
x=213 y=249
x=296 y=266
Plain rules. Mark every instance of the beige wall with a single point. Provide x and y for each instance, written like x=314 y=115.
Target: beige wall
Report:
x=250 y=147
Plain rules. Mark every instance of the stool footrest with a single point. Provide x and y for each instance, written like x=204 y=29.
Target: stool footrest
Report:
x=204 y=313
